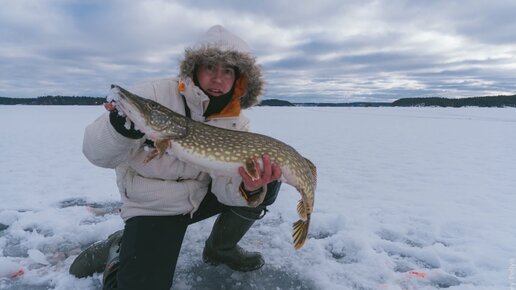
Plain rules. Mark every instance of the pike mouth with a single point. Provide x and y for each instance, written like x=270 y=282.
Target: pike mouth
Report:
x=123 y=102
x=128 y=107
x=120 y=100
x=115 y=94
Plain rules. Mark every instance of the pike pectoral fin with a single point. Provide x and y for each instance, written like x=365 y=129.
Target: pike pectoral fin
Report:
x=250 y=168
x=161 y=147
x=300 y=232
x=151 y=155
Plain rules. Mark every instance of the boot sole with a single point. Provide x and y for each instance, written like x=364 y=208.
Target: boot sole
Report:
x=214 y=262
x=94 y=258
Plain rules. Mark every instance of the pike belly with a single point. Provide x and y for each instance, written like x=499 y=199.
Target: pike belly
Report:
x=215 y=166
x=206 y=163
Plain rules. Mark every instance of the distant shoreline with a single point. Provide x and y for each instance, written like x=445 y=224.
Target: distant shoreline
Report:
x=488 y=101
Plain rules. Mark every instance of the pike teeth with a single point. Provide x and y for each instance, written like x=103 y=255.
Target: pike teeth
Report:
x=115 y=94
x=111 y=97
x=127 y=124
x=121 y=113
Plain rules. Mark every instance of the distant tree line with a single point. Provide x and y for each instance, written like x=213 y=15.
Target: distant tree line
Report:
x=495 y=101
x=53 y=100
x=283 y=103
x=275 y=103
x=353 y=104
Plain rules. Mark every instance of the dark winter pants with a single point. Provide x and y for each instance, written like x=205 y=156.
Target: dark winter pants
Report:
x=151 y=244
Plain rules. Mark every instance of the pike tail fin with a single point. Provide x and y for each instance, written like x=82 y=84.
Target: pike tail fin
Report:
x=300 y=232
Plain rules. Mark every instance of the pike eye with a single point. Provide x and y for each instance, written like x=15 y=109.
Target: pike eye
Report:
x=153 y=106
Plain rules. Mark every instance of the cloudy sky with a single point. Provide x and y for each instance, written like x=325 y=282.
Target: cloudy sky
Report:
x=324 y=50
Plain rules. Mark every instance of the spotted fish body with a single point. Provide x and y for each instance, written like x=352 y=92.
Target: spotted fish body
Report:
x=220 y=151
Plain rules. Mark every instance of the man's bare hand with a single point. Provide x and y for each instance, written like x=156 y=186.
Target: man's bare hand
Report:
x=271 y=172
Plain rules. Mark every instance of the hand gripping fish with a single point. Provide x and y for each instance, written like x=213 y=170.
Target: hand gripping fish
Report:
x=220 y=151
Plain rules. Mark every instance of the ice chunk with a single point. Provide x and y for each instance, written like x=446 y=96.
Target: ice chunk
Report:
x=37 y=256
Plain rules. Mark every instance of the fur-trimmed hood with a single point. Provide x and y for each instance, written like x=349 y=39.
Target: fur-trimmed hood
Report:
x=219 y=45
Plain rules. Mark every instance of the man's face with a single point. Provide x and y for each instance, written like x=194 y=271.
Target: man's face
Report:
x=216 y=79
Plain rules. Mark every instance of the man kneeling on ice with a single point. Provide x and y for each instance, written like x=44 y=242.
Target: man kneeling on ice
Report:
x=218 y=79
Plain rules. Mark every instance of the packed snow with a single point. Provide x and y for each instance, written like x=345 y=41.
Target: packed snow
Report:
x=407 y=198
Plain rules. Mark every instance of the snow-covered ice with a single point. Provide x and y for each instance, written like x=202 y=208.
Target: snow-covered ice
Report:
x=407 y=198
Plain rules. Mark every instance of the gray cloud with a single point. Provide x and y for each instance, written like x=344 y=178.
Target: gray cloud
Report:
x=328 y=51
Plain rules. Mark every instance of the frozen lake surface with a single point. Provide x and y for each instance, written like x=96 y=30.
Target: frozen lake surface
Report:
x=407 y=198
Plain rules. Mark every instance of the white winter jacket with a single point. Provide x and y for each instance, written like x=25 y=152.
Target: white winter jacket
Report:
x=168 y=186
x=164 y=186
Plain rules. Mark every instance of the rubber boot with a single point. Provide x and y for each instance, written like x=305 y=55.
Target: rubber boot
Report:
x=95 y=257
x=221 y=246
x=111 y=269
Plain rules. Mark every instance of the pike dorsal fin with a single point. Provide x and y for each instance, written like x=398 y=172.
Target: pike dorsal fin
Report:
x=312 y=167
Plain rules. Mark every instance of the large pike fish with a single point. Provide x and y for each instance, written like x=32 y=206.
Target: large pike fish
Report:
x=220 y=151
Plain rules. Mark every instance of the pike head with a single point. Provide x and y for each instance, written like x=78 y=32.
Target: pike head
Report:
x=155 y=120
